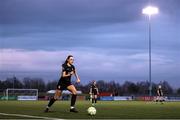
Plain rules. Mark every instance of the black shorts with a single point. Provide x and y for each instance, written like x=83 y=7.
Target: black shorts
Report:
x=63 y=85
x=94 y=92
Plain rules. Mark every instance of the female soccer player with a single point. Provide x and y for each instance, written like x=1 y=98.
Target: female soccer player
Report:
x=94 y=92
x=159 y=94
x=64 y=83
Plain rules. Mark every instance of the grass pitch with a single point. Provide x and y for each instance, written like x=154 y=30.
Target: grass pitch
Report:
x=105 y=110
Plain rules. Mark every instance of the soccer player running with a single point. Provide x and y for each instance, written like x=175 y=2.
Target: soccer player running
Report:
x=159 y=94
x=64 y=83
x=93 y=92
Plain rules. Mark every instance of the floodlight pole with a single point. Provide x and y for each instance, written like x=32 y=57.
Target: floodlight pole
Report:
x=150 y=11
x=150 y=81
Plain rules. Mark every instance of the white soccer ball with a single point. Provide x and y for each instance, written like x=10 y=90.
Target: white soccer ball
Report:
x=91 y=110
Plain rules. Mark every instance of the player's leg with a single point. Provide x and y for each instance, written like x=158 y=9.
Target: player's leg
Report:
x=73 y=90
x=53 y=99
x=157 y=99
x=95 y=98
x=161 y=99
x=56 y=96
x=91 y=96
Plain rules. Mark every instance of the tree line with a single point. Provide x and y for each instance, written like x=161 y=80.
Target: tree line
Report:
x=127 y=88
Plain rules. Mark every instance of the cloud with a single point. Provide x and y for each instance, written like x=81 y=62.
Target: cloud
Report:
x=60 y=25
x=79 y=11
x=168 y=7
x=90 y=64
x=124 y=36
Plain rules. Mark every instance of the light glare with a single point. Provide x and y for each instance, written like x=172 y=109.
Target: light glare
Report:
x=150 y=10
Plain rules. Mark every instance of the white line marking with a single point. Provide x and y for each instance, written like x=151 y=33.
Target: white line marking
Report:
x=30 y=116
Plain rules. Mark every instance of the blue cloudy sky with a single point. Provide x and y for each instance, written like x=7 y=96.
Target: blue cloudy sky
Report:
x=108 y=38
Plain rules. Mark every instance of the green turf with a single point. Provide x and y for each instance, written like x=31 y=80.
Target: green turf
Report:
x=105 y=109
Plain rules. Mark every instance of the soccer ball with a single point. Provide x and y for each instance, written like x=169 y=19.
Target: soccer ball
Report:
x=91 y=110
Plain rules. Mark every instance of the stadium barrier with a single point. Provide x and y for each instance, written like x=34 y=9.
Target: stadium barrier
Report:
x=27 y=97
x=9 y=98
x=64 y=92
x=106 y=98
x=105 y=94
x=139 y=98
x=115 y=98
x=122 y=98
x=144 y=98
x=173 y=99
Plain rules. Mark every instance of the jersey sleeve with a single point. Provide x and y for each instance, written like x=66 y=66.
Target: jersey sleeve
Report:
x=73 y=68
x=64 y=67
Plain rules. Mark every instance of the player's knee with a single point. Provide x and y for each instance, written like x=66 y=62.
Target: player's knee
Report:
x=55 y=98
x=74 y=92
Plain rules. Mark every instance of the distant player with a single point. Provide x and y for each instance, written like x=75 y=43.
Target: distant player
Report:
x=93 y=92
x=64 y=83
x=160 y=97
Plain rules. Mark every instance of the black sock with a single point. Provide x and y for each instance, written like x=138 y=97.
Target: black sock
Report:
x=95 y=100
x=52 y=100
x=73 y=100
x=92 y=100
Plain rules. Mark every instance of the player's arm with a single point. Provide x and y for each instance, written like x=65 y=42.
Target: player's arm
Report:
x=158 y=93
x=90 y=92
x=64 y=72
x=97 y=91
x=77 y=76
x=66 y=75
x=162 y=93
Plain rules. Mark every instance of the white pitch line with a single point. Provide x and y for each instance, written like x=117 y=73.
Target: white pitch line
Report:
x=30 y=116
